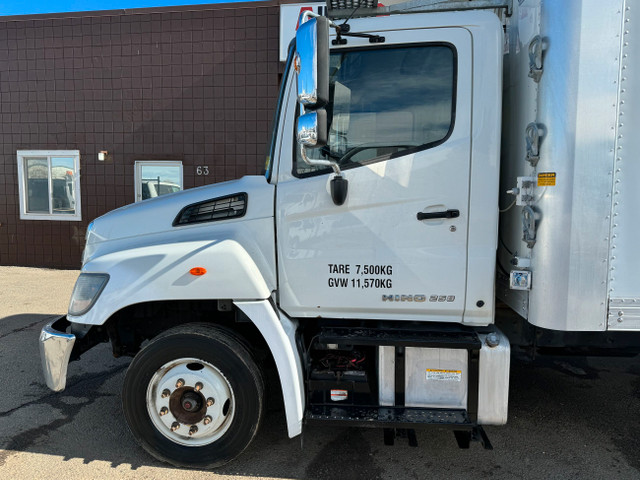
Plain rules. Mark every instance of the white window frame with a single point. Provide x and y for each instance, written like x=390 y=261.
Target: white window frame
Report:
x=153 y=163
x=22 y=187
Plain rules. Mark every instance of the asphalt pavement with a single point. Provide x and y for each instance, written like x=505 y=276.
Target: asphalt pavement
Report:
x=569 y=417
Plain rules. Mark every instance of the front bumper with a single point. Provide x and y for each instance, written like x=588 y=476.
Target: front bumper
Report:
x=55 y=350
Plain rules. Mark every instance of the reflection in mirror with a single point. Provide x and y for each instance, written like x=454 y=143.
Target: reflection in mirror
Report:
x=312 y=131
x=312 y=62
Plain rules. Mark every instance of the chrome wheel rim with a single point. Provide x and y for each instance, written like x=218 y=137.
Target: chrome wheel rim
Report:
x=190 y=402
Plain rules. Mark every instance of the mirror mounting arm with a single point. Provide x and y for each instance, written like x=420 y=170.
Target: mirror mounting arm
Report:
x=308 y=13
x=318 y=163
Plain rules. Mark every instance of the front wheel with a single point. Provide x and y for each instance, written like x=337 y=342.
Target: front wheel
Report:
x=193 y=397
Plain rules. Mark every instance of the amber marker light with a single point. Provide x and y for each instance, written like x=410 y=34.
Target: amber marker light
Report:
x=198 y=271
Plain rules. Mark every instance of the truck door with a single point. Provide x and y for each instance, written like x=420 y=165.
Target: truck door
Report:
x=400 y=129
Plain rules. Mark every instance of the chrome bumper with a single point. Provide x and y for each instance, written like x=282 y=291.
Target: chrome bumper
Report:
x=55 y=350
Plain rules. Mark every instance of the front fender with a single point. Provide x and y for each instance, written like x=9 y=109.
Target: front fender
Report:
x=161 y=272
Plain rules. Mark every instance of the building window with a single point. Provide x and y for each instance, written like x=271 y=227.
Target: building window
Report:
x=155 y=178
x=49 y=184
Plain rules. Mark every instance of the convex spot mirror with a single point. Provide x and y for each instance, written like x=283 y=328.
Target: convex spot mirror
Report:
x=312 y=129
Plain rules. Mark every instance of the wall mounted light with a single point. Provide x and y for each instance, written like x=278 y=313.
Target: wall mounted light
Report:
x=102 y=155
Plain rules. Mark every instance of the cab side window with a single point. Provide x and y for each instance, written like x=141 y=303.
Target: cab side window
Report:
x=385 y=103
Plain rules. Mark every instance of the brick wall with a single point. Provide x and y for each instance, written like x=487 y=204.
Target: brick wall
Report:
x=198 y=86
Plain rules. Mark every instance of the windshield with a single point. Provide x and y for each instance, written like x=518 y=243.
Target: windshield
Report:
x=386 y=102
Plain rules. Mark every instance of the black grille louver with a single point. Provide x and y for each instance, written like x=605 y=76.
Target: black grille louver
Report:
x=222 y=208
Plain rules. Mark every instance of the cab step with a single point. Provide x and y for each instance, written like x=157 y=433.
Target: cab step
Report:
x=387 y=417
x=451 y=337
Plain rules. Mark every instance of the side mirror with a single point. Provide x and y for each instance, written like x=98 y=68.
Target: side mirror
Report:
x=312 y=129
x=312 y=62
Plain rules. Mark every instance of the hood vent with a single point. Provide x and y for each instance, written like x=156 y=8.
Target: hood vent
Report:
x=222 y=208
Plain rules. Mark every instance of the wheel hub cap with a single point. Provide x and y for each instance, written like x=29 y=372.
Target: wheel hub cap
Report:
x=188 y=416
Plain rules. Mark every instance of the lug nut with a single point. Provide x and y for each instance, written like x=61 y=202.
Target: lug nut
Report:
x=164 y=411
x=166 y=393
x=193 y=429
x=207 y=420
x=199 y=386
x=210 y=401
x=180 y=383
x=175 y=426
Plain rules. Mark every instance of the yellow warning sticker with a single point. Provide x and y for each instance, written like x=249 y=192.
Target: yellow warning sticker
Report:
x=547 y=179
x=444 y=375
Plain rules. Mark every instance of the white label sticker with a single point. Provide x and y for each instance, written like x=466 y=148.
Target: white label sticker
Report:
x=338 y=395
x=444 y=375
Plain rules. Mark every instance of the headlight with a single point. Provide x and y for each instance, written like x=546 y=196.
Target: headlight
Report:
x=88 y=288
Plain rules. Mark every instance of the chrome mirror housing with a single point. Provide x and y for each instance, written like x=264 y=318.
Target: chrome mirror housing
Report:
x=311 y=62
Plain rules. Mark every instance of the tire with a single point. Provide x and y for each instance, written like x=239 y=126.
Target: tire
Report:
x=194 y=375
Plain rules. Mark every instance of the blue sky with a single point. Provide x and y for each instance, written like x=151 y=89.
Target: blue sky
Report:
x=23 y=7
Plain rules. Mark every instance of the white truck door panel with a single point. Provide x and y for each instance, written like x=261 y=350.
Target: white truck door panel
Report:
x=372 y=257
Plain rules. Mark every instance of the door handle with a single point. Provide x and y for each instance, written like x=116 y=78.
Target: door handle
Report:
x=447 y=214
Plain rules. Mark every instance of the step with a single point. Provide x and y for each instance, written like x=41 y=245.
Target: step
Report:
x=387 y=417
x=400 y=337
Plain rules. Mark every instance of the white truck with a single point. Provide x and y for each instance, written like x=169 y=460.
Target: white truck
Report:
x=422 y=165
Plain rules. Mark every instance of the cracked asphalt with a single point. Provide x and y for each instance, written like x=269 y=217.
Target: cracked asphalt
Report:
x=569 y=417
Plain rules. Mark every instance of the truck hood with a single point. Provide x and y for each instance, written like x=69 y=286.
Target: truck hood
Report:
x=151 y=221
